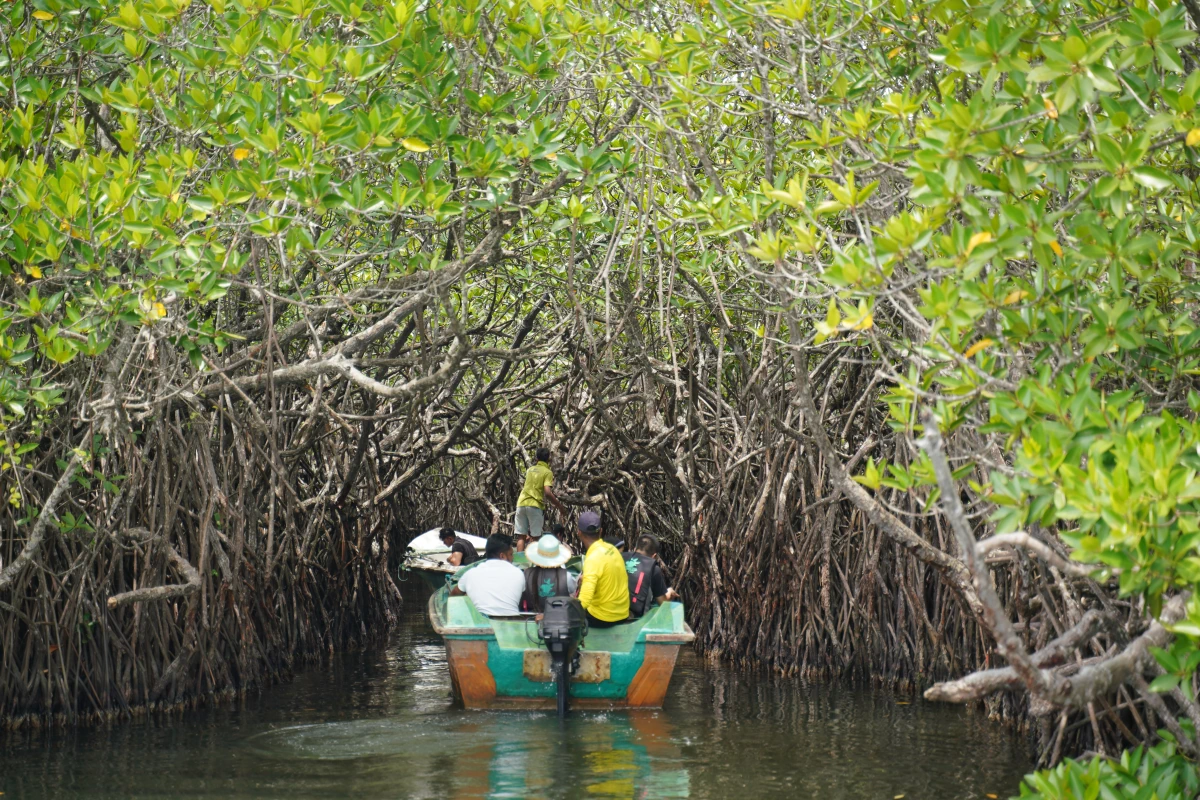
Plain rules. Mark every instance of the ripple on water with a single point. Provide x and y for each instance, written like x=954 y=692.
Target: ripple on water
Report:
x=339 y=741
x=383 y=725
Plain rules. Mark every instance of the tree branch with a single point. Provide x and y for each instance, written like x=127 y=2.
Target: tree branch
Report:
x=994 y=616
x=980 y=684
x=1098 y=679
x=38 y=535
x=887 y=522
x=1026 y=542
x=186 y=571
x=476 y=403
x=1092 y=681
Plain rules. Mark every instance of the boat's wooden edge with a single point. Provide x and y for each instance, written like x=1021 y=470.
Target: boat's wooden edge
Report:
x=435 y=620
x=511 y=703
x=429 y=565
x=687 y=636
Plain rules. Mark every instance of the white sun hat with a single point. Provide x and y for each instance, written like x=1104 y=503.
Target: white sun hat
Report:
x=550 y=552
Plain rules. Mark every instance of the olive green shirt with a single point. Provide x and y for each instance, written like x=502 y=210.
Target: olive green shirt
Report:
x=537 y=479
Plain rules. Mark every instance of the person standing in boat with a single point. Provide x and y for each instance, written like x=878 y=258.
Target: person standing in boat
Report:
x=495 y=586
x=462 y=552
x=538 y=489
x=547 y=577
x=646 y=579
x=604 y=584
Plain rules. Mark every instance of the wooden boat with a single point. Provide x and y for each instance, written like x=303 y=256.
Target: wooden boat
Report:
x=498 y=663
x=426 y=557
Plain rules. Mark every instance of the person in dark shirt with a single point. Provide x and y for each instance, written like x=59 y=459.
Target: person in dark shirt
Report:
x=546 y=577
x=462 y=552
x=646 y=579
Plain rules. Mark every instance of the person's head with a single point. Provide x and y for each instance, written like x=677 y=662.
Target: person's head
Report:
x=498 y=547
x=543 y=454
x=589 y=527
x=647 y=545
x=448 y=535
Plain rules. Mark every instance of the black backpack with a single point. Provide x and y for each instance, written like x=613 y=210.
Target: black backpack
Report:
x=639 y=568
x=542 y=583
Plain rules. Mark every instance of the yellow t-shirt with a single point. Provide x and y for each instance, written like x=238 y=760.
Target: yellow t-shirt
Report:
x=604 y=584
x=537 y=479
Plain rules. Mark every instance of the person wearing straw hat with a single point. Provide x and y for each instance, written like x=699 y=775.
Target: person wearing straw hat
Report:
x=547 y=577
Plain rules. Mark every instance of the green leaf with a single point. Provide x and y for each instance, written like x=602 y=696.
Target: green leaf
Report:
x=1152 y=178
x=1164 y=683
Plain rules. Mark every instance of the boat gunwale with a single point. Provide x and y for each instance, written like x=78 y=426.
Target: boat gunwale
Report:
x=686 y=636
x=429 y=564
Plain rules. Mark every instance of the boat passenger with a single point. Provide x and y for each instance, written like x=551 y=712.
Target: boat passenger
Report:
x=495 y=586
x=531 y=503
x=604 y=584
x=646 y=578
x=462 y=552
x=547 y=577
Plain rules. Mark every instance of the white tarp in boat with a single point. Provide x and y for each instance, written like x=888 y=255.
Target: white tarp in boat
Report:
x=430 y=542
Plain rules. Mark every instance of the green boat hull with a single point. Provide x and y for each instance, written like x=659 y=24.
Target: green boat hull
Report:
x=499 y=663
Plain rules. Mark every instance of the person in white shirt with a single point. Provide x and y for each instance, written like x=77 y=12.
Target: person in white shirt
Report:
x=495 y=586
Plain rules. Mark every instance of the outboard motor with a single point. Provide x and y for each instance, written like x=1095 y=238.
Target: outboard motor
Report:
x=562 y=628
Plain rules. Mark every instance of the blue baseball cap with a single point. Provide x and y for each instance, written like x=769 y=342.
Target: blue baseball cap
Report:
x=589 y=522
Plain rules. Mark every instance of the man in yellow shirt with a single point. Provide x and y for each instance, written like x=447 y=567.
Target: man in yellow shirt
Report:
x=604 y=584
x=531 y=504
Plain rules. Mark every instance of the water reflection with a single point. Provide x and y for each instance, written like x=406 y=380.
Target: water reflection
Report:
x=384 y=725
x=467 y=756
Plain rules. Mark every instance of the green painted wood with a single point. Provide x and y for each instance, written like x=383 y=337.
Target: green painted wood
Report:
x=509 y=638
x=507 y=667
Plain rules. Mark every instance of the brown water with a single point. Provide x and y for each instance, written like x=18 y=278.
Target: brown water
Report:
x=382 y=724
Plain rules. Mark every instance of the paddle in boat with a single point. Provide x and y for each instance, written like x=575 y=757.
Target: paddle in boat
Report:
x=521 y=663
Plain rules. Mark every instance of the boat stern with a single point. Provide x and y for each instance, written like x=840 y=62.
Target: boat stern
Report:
x=499 y=663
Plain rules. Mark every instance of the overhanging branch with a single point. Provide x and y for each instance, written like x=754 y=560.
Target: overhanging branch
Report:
x=38 y=535
x=185 y=570
x=1039 y=683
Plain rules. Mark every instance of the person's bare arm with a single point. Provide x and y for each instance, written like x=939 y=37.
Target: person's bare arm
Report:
x=553 y=498
x=457 y=592
x=455 y=559
x=663 y=598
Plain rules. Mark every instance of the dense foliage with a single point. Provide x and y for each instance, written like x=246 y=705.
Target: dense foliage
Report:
x=1140 y=774
x=724 y=255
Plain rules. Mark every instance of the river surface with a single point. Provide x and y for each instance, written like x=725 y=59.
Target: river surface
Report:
x=382 y=724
